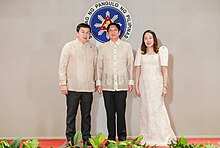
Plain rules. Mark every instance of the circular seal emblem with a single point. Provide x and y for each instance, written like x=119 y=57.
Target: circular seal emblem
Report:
x=101 y=14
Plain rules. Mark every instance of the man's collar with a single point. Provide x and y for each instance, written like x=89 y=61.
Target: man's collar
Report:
x=117 y=42
x=78 y=42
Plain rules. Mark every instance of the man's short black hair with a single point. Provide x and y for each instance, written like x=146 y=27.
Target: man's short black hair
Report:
x=117 y=25
x=84 y=25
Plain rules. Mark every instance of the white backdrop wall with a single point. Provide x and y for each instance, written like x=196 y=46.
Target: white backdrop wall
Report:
x=32 y=34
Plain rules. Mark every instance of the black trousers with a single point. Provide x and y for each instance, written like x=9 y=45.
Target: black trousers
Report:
x=73 y=100
x=115 y=104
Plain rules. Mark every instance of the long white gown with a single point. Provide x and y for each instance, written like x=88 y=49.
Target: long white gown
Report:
x=154 y=120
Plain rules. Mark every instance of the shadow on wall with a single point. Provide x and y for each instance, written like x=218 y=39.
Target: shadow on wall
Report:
x=169 y=97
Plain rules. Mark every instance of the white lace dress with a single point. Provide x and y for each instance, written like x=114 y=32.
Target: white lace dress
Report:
x=154 y=120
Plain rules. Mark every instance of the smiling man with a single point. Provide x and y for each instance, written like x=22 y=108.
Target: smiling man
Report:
x=114 y=79
x=77 y=81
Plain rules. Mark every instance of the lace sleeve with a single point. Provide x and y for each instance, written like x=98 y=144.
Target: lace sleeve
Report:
x=163 y=53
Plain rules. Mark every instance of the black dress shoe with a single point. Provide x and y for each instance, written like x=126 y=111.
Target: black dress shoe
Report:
x=107 y=143
x=122 y=139
x=87 y=142
x=68 y=144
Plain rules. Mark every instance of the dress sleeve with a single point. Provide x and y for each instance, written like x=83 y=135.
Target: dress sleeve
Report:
x=137 y=61
x=163 y=53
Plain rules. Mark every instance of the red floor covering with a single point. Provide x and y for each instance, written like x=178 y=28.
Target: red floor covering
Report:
x=57 y=143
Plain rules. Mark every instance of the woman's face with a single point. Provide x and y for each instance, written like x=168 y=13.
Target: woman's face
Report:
x=148 y=40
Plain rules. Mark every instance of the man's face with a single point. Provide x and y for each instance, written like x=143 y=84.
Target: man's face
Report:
x=83 y=34
x=113 y=33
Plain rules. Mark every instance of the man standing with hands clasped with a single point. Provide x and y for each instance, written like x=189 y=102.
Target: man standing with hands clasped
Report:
x=77 y=81
x=114 y=79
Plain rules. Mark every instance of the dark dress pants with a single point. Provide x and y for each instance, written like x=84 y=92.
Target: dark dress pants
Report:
x=73 y=100
x=115 y=104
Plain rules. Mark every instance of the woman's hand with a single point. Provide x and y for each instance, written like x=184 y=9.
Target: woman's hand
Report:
x=137 y=91
x=99 y=89
x=164 y=91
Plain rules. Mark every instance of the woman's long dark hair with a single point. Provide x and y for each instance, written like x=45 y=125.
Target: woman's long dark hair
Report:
x=155 y=45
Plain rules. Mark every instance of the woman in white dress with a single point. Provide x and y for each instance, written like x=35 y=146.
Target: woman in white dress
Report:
x=151 y=86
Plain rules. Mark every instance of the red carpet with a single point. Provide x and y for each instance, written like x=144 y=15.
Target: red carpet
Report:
x=55 y=143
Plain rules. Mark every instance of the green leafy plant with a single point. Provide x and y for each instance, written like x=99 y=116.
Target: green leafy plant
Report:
x=127 y=143
x=15 y=143
x=208 y=145
x=77 y=141
x=31 y=144
x=179 y=143
x=183 y=143
x=4 y=144
x=97 y=140
x=100 y=138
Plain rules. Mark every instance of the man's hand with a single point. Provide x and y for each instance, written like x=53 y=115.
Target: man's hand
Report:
x=99 y=89
x=64 y=89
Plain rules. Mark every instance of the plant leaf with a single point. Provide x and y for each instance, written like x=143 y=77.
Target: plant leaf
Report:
x=112 y=141
x=112 y=145
x=92 y=141
x=122 y=143
x=101 y=138
x=98 y=135
x=77 y=137
x=183 y=141
x=79 y=145
x=139 y=138
x=16 y=143
x=31 y=144
x=35 y=143
x=6 y=143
